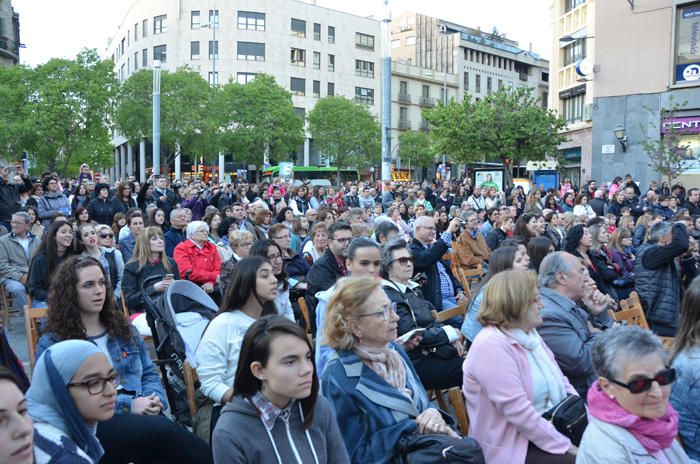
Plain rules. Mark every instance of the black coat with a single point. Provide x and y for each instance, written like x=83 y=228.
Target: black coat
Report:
x=133 y=280
x=101 y=211
x=322 y=276
x=9 y=197
x=426 y=261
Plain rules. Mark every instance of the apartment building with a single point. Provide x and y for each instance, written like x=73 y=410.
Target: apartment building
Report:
x=571 y=84
x=310 y=50
x=9 y=34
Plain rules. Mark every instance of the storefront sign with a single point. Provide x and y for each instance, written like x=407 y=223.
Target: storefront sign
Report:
x=687 y=59
x=686 y=125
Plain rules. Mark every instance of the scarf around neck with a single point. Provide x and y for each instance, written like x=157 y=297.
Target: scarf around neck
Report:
x=387 y=363
x=653 y=434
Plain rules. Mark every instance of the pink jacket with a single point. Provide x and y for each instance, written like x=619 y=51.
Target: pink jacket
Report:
x=497 y=388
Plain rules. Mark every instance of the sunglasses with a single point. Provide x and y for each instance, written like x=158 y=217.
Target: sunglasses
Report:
x=665 y=377
x=106 y=235
x=404 y=260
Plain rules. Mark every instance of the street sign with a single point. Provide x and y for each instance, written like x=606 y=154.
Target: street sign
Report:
x=608 y=149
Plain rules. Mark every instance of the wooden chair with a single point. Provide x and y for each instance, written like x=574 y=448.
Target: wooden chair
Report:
x=305 y=313
x=125 y=308
x=446 y=314
x=632 y=312
x=191 y=384
x=31 y=328
x=5 y=304
x=454 y=395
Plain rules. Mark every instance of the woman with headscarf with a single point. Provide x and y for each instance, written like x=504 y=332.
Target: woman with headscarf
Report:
x=73 y=388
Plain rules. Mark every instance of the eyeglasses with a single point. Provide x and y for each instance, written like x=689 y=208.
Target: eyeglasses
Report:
x=404 y=260
x=106 y=235
x=281 y=237
x=277 y=257
x=429 y=228
x=98 y=385
x=665 y=377
x=343 y=240
x=386 y=312
x=246 y=245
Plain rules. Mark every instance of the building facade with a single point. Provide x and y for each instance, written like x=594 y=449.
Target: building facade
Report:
x=571 y=88
x=648 y=61
x=9 y=34
x=312 y=51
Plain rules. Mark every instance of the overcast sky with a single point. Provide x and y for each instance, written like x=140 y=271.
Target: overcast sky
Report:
x=60 y=28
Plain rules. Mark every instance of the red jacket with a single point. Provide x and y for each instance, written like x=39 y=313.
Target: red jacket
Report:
x=198 y=265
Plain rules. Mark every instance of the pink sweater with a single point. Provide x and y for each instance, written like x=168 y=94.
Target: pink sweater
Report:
x=498 y=391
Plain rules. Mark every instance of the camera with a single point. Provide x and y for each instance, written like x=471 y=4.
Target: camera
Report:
x=420 y=278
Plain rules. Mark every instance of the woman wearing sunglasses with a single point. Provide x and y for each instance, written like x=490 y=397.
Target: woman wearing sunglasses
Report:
x=630 y=418
x=438 y=353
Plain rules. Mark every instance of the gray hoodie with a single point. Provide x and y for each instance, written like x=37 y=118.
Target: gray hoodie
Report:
x=241 y=437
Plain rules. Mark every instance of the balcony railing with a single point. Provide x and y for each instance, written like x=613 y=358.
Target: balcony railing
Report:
x=424 y=126
x=404 y=97
x=404 y=124
x=426 y=101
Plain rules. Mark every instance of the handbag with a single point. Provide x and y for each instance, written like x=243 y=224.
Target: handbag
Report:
x=569 y=417
x=416 y=448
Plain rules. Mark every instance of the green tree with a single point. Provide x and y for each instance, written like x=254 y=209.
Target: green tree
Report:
x=15 y=135
x=415 y=149
x=506 y=126
x=257 y=117
x=185 y=112
x=346 y=132
x=667 y=155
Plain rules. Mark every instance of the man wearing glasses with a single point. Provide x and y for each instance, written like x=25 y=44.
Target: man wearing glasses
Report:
x=16 y=248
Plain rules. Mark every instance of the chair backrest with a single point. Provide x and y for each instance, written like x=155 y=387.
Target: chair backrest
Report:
x=457 y=400
x=305 y=313
x=31 y=328
x=445 y=314
x=633 y=316
x=191 y=379
x=125 y=309
x=458 y=272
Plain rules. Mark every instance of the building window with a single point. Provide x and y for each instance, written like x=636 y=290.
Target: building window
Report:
x=251 y=51
x=300 y=113
x=317 y=89
x=396 y=43
x=213 y=78
x=194 y=50
x=317 y=31
x=298 y=57
x=245 y=77
x=331 y=63
x=500 y=84
x=331 y=34
x=425 y=91
x=364 y=68
x=136 y=61
x=477 y=84
x=213 y=50
x=160 y=52
x=297 y=86
x=144 y=57
x=573 y=108
x=144 y=28
x=364 y=95
x=317 y=60
x=160 y=24
x=365 y=41
x=251 y=21
x=571 y=4
x=411 y=40
x=213 y=18
x=403 y=118
x=466 y=82
x=403 y=92
x=194 y=19
x=299 y=27
x=575 y=51
x=136 y=32
x=331 y=89
x=488 y=85
x=121 y=47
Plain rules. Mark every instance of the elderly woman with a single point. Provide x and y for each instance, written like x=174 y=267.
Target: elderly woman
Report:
x=197 y=258
x=240 y=242
x=373 y=389
x=316 y=247
x=631 y=420
x=511 y=377
x=438 y=353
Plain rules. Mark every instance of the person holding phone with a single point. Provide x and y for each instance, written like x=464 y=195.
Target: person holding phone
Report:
x=10 y=193
x=436 y=351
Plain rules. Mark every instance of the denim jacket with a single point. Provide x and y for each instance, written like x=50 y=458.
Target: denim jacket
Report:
x=137 y=374
x=685 y=397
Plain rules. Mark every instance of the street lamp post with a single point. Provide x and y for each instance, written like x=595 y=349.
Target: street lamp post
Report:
x=386 y=93
x=156 y=117
x=213 y=24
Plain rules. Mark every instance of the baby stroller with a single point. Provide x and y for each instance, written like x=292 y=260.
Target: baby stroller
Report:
x=177 y=320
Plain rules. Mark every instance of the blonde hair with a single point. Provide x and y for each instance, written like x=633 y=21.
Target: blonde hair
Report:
x=507 y=296
x=142 y=250
x=617 y=237
x=236 y=237
x=350 y=295
x=627 y=222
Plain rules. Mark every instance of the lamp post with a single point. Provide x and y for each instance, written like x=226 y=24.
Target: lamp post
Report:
x=156 y=117
x=621 y=136
x=386 y=93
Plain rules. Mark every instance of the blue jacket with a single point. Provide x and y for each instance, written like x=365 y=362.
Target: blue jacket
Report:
x=173 y=237
x=137 y=374
x=372 y=415
x=685 y=396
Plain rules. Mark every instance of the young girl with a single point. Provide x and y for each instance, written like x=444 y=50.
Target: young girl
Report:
x=112 y=261
x=277 y=410
x=53 y=249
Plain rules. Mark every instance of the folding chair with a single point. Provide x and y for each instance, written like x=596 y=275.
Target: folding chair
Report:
x=31 y=328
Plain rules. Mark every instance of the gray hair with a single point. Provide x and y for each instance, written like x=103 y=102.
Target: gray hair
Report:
x=383 y=228
x=24 y=216
x=421 y=222
x=614 y=347
x=594 y=229
x=659 y=230
x=175 y=212
x=194 y=226
x=466 y=215
x=387 y=251
x=550 y=266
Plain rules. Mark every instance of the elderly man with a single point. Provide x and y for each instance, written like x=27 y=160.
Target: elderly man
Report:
x=568 y=329
x=471 y=248
x=441 y=289
x=176 y=233
x=16 y=249
x=657 y=280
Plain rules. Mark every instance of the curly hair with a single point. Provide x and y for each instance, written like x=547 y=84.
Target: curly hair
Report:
x=63 y=315
x=346 y=302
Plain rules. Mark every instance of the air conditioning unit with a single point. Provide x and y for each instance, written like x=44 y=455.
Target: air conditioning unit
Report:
x=588 y=112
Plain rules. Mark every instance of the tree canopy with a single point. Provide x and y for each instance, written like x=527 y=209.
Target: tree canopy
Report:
x=667 y=155
x=505 y=126
x=415 y=149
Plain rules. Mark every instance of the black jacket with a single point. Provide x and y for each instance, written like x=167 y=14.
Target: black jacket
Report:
x=121 y=206
x=322 y=276
x=133 y=280
x=426 y=261
x=101 y=211
x=9 y=197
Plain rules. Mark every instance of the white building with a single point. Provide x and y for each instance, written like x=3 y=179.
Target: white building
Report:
x=312 y=51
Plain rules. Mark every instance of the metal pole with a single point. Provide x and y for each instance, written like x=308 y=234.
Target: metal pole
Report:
x=142 y=161
x=156 y=117
x=222 y=167
x=443 y=31
x=214 y=24
x=386 y=93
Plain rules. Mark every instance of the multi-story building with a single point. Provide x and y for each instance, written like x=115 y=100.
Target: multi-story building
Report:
x=476 y=63
x=312 y=51
x=9 y=34
x=571 y=88
x=648 y=60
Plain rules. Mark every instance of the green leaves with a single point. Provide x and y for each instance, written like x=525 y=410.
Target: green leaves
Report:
x=346 y=132
x=415 y=149
x=667 y=155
